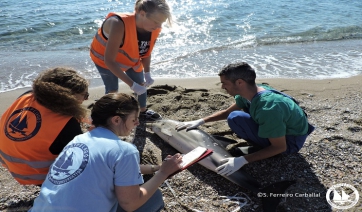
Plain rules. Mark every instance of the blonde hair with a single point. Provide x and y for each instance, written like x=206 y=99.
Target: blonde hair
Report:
x=154 y=6
x=55 y=89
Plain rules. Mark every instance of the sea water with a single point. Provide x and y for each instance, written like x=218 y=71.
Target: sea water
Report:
x=314 y=39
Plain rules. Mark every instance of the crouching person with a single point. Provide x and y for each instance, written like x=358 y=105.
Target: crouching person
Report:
x=38 y=124
x=97 y=171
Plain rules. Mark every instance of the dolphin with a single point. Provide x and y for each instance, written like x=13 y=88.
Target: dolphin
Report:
x=185 y=141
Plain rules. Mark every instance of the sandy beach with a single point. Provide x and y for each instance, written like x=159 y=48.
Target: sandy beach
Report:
x=331 y=154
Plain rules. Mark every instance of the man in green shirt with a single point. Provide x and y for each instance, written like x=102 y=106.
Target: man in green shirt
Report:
x=268 y=119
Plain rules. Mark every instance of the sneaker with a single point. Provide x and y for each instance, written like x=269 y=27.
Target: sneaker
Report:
x=249 y=149
x=151 y=115
x=244 y=150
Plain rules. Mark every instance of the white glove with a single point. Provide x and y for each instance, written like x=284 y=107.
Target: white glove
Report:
x=138 y=89
x=190 y=124
x=149 y=80
x=232 y=165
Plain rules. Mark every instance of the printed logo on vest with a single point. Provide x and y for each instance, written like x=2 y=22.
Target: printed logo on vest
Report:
x=69 y=164
x=23 y=124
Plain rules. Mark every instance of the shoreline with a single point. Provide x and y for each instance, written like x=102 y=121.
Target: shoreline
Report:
x=303 y=59
x=324 y=88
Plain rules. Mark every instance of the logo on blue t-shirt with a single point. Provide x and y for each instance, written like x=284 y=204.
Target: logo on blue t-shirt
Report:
x=70 y=164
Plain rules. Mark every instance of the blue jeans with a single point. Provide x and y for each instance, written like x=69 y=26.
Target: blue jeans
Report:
x=246 y=128
x=154 y=204
x=110 y=82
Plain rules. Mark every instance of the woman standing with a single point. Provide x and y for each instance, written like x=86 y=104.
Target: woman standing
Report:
x=122 y=48
x=99 y=172
x=37 y=126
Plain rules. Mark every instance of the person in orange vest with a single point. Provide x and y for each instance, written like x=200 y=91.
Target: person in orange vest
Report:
x=122 y=48
x=38 y=125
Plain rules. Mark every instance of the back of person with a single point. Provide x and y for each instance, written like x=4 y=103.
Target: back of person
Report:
x=31 y=126
x=25 y=140
x=270 y=106
x=82 y=177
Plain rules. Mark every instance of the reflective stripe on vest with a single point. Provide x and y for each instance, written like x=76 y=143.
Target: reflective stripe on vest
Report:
x=121 y=51
x=3 y=162
x=33 y=164
x=127 y=56
x=122 y=66
x=40 y=177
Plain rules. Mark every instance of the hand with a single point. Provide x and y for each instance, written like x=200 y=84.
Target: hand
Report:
x=171 y=164
x=231 y=165
x=138 y=89
x=189 y=124
x=149 y=80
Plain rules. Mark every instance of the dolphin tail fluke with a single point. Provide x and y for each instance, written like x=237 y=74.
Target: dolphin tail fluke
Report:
x=270 y=202
x=243 y=179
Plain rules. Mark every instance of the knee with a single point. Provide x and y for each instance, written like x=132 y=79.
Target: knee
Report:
x=158 y=195
x=232 y=116
x=158 y=201
x=235 y=118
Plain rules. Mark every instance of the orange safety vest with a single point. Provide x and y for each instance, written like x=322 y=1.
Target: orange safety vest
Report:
x=128 y=55
x=27 y=131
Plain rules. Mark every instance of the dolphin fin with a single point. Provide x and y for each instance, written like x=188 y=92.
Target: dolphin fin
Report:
x=223 y=141
x=270 y=203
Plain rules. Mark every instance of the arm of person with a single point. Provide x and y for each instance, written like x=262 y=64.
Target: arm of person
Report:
x=149 y=169
x=220 y=115
x=70 y=130
x=231 y=165
x=115 y=27
x=132 y=197
x=277 y=146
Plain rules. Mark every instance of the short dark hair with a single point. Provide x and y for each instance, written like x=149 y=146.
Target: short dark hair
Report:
x=112 y=104
x=237 y=71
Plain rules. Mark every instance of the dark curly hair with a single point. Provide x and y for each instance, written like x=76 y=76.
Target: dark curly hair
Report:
x=55 y=89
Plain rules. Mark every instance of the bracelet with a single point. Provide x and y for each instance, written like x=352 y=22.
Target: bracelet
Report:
x=153 y=168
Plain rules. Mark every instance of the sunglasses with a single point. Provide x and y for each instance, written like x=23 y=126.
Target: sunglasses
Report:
x=86 y=95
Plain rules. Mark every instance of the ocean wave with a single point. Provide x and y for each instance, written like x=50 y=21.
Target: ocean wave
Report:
x=315 y=34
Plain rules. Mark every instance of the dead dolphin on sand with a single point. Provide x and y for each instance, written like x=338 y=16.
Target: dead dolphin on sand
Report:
x=185 y=141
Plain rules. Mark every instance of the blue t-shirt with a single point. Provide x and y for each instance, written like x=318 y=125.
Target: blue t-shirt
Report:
x=276 y=114
x=84 y=175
